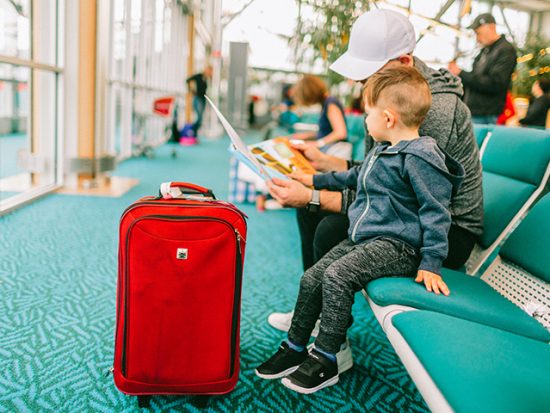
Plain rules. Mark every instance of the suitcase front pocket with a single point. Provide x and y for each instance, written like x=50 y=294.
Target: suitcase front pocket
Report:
x=182 y=294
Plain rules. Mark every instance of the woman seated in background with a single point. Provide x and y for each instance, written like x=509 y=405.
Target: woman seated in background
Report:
x=311 y=90
x=538 y=108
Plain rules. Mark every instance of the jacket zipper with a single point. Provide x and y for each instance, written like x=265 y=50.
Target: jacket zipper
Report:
x=236 y=296
x=369 y=167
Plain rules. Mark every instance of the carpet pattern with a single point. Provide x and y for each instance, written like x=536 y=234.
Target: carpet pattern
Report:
x=57 y=306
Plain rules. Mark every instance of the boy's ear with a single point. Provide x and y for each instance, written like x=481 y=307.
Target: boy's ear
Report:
x=390 y=117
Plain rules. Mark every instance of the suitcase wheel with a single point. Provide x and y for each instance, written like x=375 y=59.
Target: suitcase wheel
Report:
x=144 y=401
x=200 y=401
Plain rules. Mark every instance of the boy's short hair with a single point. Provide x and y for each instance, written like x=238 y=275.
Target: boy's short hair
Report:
x=404 y=89
x=310 y=90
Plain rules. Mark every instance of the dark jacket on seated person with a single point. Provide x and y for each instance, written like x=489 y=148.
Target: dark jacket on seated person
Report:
x=537 y=112
x=403 y=192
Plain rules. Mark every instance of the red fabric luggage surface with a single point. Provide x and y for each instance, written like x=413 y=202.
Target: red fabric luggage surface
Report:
x=178 y=296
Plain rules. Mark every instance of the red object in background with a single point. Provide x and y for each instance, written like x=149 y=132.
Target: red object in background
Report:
x=164 y=106
x=179 y=294
x=508 y=112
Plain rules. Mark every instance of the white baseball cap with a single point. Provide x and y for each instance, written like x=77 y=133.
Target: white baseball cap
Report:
x=376 y=37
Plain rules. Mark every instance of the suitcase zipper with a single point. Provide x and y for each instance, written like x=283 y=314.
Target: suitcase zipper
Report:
x=216 y=204
x=236 y=297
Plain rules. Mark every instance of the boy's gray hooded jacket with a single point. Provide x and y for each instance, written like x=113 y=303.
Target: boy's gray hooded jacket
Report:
x=449 y=123
x=403 y=192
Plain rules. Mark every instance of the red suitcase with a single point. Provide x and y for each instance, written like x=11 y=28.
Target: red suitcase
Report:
x=178 y=295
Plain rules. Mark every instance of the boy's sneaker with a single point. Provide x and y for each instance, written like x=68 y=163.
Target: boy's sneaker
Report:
x=282 y=363
x=282 y=321
x=315 y=373
x=344 y=357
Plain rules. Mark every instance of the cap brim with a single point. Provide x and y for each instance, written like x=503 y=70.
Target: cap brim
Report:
x=354 y=68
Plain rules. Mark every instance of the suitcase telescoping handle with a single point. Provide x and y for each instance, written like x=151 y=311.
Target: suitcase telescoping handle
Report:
x=169 y=190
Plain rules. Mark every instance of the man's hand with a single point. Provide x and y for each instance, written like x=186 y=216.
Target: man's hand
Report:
x=303 y=136
x=453 y=68
x=289 y=193
x=432 y=281
x=306 y=179
x=320 y=161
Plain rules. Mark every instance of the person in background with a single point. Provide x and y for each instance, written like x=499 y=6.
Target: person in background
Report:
x=509 y=111
x=485 y=87
x=311 y=90
x=285 y=111
x=356 y=106
x=539 y=106
x=198 y=84
x=251 y=106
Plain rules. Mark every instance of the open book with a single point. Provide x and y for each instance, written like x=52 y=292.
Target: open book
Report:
x=274 y=158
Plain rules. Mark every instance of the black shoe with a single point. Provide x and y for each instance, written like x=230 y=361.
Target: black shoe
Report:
x=283 y=362
x=316 y=372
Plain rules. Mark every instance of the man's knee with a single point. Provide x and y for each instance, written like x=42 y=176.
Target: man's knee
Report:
x=307 y=220
x=330 y=232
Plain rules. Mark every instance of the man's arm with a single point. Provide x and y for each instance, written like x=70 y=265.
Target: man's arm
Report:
x=290 y=193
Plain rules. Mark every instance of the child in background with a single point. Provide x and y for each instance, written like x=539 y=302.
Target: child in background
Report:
x=398 y=227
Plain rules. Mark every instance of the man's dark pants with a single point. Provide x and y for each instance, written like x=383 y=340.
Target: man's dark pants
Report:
x=321 y=231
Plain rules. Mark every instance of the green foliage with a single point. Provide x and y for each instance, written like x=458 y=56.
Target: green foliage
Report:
x=326 y=36
x=533 y=62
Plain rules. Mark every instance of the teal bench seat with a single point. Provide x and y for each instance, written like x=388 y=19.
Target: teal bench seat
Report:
x=519 y=276
x=474 y=368
x=471 y=299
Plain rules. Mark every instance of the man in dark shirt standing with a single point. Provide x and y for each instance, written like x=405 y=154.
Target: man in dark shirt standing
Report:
x=487 y=84
x=197 y=84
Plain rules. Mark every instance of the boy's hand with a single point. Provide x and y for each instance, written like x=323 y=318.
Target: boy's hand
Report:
x=433 y=282
x=302 y=177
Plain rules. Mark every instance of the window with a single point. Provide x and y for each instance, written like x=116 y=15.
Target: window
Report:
x=30 y=105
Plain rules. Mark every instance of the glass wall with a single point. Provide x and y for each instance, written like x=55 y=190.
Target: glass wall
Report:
x=30 y=109
x=149 y=52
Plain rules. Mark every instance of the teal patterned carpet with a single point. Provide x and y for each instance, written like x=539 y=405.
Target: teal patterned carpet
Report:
x=57 y=306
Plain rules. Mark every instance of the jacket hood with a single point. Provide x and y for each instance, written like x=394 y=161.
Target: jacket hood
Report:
x=440 y=81
x=435 y=156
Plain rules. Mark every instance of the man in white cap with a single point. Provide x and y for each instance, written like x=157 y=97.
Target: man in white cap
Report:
x=487 y=84
x=379 y=39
